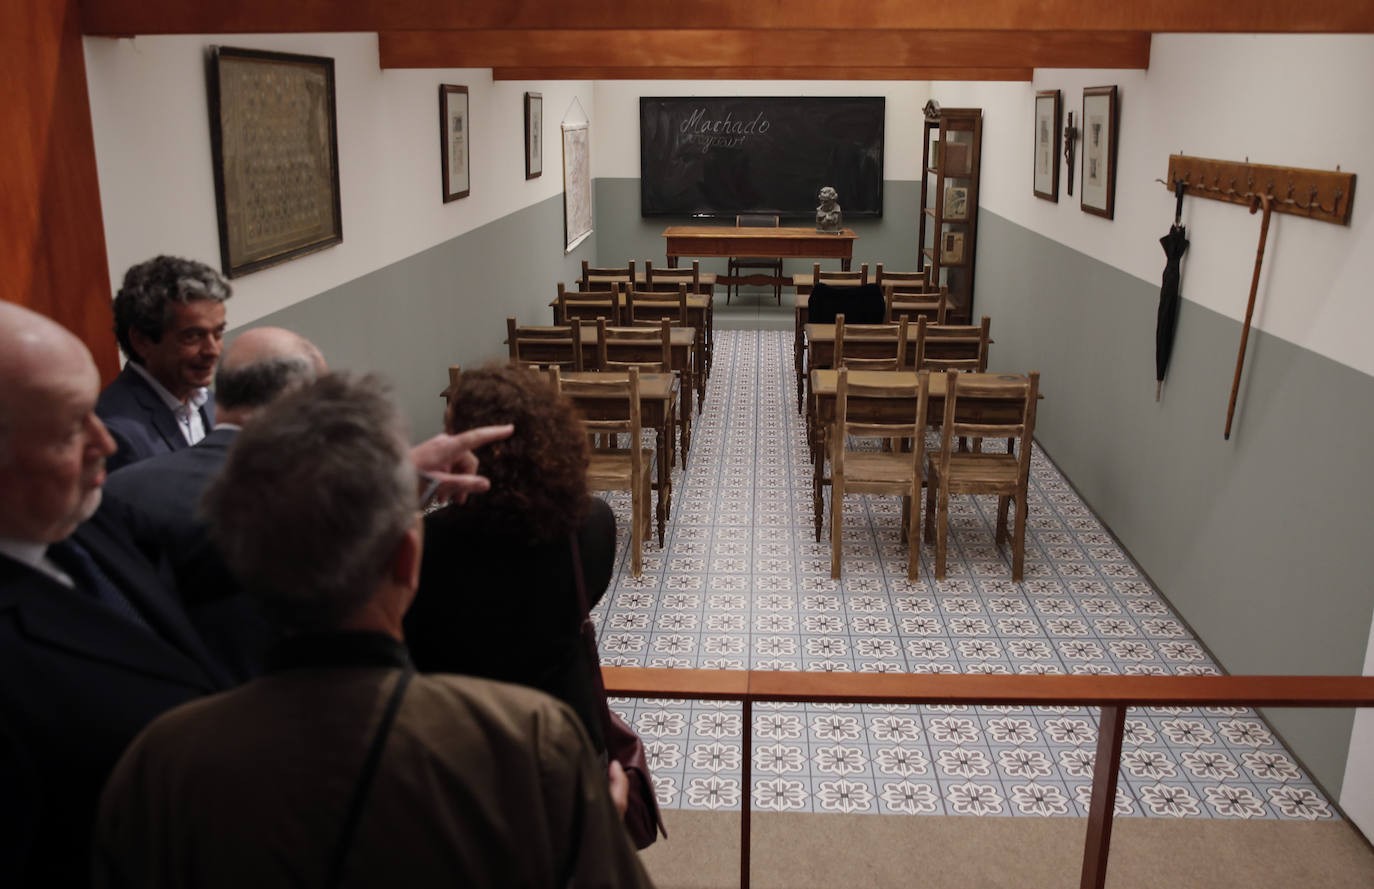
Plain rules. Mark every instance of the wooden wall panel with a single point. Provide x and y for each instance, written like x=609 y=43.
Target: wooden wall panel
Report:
x=52 y=238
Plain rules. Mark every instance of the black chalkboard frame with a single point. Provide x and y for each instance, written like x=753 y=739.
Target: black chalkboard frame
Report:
x=678 y=186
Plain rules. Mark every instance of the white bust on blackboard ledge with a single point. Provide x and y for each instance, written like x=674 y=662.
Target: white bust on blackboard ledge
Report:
x=828 y=213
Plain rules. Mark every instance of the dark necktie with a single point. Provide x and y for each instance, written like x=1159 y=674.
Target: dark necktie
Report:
x=74 y=559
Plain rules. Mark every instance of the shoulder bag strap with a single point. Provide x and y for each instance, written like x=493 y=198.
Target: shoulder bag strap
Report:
x=374 y=758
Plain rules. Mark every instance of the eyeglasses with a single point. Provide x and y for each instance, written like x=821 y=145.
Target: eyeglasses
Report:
x=426 y=486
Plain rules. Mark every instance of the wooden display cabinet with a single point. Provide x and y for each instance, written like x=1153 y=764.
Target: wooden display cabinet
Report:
x=950 y=159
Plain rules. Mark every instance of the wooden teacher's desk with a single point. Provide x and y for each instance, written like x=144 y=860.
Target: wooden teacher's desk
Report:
x=788 y=243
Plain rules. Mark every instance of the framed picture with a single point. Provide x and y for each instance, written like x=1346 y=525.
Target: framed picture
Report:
x=275 y=148
x=1045 y=182
x=455 y=137
x=534 y=135
x=956 y=202
x=1098 y=192
x=951 y=248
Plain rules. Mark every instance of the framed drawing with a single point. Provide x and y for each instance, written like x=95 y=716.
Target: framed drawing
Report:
x=534 y=135
x=1045 y=182
x=275 y=147
x=577 y=185
x=455 y=138
x=956 y=202
x=1098 y=192
x=952 y=248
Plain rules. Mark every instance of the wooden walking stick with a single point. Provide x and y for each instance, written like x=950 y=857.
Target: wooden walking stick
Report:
x=1267 y=202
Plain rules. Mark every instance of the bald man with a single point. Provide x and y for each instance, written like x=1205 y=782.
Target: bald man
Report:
x=92 y=643
x=163 y=494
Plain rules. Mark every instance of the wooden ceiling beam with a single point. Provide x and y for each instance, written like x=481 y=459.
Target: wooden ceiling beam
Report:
x=754 y=73
x=770 y=49
x=125 y=17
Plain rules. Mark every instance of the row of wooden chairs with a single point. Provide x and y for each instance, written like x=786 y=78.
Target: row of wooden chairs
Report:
x=623 y=305
x=595 y=278
x=934 y=346
x=977 y=406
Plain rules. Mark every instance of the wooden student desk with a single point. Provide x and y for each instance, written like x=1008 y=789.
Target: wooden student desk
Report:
x=699 y=315
x=658 y=410
x=788 y=243
x=683 y=344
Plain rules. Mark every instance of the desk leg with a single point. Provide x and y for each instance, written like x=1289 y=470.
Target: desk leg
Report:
x=685 y=434
x=663 y=437
x=818 y=477
x=844 y=264
x=672 y=261
x=798 y=357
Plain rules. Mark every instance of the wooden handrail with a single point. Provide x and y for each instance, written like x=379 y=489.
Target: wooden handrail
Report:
x=1114 y=694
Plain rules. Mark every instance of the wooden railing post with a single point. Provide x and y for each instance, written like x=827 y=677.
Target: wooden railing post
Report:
x=1110 y=730
x=747 y=793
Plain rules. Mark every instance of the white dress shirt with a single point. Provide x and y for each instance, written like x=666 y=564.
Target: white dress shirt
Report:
x=187 y=412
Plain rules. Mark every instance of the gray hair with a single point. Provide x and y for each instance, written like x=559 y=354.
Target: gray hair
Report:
x=313 y=499
x=259 y=383
x=144 y=302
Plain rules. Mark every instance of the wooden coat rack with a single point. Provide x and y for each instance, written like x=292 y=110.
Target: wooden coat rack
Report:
x=1316 y=194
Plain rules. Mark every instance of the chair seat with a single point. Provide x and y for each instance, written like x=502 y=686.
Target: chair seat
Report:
x=610 y=469
x=884 y=469
x=976 y=473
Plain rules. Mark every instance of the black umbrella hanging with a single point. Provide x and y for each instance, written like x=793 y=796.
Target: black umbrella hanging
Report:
x=1175 y=244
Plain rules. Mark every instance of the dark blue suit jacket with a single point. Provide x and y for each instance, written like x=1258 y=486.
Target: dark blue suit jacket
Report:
x=163 y=495
x=141 y=423
x=77 y=683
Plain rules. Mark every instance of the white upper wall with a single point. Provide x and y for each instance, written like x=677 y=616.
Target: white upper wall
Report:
x=157 y=193
x=1287 y=100
x=615 y=135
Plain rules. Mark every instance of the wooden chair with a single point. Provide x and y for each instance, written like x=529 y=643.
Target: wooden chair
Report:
x=770 y=264
x=887 y=410
x=667 y=279
x=587 y=305
x=911 y=305
x=981 y=405
x=609 y=276
x=870 y=346
x=941 y=347
x=839 y=278
x=647 y=348
x=454 y=372
x=545 y=347
x=905 y=282
x=610 y=408
x=651 y=305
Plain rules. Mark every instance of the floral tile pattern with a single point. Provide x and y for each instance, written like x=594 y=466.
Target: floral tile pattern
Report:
x=741 y=583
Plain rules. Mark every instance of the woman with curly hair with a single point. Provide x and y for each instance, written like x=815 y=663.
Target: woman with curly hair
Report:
x=497 y=595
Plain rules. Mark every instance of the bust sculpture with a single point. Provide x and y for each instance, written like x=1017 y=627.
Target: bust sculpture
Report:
x=828 y=213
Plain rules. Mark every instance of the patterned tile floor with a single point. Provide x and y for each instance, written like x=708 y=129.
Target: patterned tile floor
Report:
x=741 y=583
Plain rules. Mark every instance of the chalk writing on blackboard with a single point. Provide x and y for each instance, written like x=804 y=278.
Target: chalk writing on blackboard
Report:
x=722 y=132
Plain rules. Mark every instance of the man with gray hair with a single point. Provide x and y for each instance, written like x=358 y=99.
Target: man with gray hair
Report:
x=341 y=764
x=163 y=493
x=169 y=320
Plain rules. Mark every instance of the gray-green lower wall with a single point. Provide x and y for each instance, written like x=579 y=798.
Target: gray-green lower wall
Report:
x=446 y=305
x=1262 y=542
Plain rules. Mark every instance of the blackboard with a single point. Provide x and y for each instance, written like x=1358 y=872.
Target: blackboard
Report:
x=719 y=156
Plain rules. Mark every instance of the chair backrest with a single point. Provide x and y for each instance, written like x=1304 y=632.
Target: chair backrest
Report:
x=887 y=409
x=839 y=278
x=953 y=346
x=861 y=305
x=870 y=346
x=608 y=403
x=914 y=282
x=982 y=405
x=668 y=279
x=546 y=346
x=611 y=276
x=911 y=305
x=653 y=305
x=586 y=305
x=647 y=348
x=755 y=220
x=454 y=372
